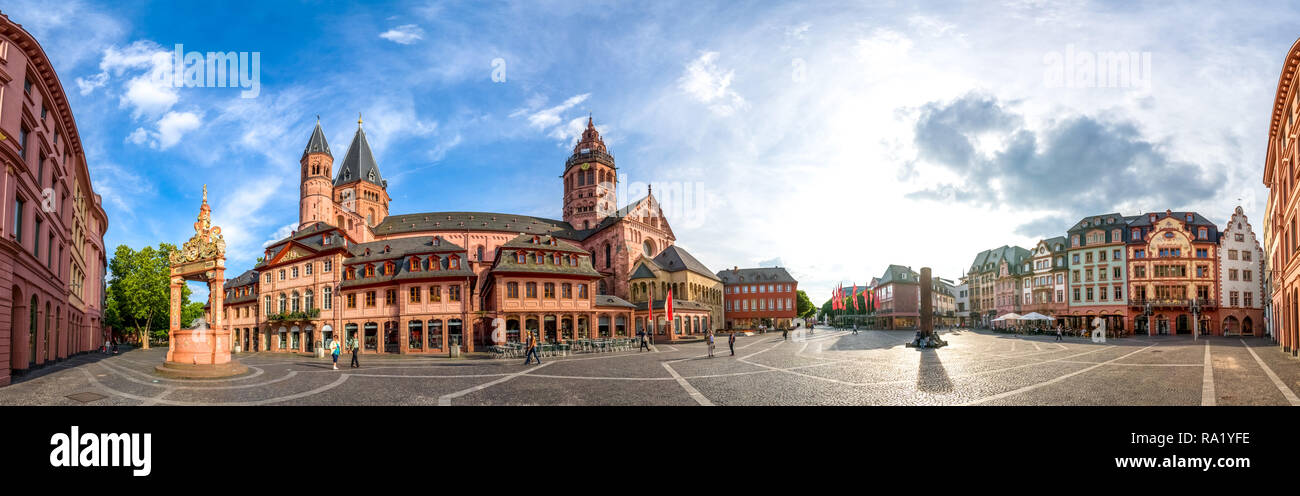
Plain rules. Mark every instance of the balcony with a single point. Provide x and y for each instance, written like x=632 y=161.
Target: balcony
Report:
x=589 y=156
x=1174 y=303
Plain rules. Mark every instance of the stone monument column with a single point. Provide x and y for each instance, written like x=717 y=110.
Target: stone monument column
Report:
x=927 y=303
x=174 y=310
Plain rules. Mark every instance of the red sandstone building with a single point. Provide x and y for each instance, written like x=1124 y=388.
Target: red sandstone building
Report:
x=1173 y=274
x=428 y=282
x=760 y=297
x=1280 y=233
x=52 y=260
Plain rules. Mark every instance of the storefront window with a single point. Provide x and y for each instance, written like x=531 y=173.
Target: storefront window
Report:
x=620 y=326
x=415 y=335
x=435 y=334
x=372 y=336
x=604 y=326
x=454 y=337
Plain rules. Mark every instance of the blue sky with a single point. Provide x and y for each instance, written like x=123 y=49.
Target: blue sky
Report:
x=831 y=138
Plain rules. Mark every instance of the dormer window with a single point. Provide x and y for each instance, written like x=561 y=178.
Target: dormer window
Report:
x=1189 y=217
x=455 y=262
x=370 y=271
x=437 y=240
x=519 y=257
x=415 y=264
x=1152 y=217
x=1202 y=233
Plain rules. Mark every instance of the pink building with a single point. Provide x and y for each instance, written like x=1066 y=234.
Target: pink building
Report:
x=52 y=260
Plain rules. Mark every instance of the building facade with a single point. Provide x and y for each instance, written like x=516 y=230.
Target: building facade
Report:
x=984 y=279
x=898 y=293
x=1045 y=282
x=1097 y=274
x=1241 y=278
x=52 y=259
x=1173 y=265
x=429 y=282
x=961 y=302
x=766 y=296
x=1282 y=252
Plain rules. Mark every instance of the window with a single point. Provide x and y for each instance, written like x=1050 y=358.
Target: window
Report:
x=1102 y=293
x=1116 y=254
x=1119 y=293
x=1201 y=233
x=1200 y=253
x=329 y=265
x=435 y=294
x=566 y=290
x=1246 y=275
x=22 y=141
x=1089 y=293
x=370 y=299
x=327 y=298
x=351 y=300
x=268 y=278
x=1248 y=299
x=1245 y=255
x=1087 y=257
x=307 y=268
x=281 y=274
x=36 y=248
x=1232 y=298
x=1116 y=274
x=1240 y=237
x=1101 y=256
x=453 y=292
x=582 y=291
x=548 y=290
x=390 y=296
x=293 y=272
x=530 y=290
x=1139 y=253
x=1076 y=294
x=512 y=290
x=413 y=294
x=1232 y=274
x=1232 y=254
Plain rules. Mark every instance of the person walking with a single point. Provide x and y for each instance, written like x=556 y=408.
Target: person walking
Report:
x=532 y=350
x=731 y=343
x=334 y=352
x=1058 y=332
x=710 y=339
x=352 y=345
x=645 y=341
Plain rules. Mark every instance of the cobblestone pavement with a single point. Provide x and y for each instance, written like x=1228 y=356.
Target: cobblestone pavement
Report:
x=831 y=367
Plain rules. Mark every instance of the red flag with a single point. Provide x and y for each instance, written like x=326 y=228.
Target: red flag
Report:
x=855 y=296
x=835 y=298
x=668 y=308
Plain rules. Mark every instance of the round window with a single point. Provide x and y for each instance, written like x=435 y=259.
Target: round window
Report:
x=648 y=248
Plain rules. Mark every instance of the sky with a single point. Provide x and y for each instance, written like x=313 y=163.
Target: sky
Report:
x=830 y=138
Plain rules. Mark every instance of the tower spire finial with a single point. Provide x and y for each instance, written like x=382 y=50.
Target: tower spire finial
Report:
x=358 y=119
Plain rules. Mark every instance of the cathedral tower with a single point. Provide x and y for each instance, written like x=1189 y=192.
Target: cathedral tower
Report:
x=590 y=181
x=358 y=187
x=314 y=204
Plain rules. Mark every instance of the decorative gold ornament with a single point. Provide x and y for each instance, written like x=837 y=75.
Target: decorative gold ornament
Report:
x=207 y=242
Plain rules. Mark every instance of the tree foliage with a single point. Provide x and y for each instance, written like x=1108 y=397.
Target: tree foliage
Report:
x=804 y=307
x=139 y=291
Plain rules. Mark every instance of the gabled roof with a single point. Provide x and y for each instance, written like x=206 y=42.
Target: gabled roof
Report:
x=761 y=274
x=643 y=270
x=359 y=164
x=390 y=249
x=507 y=262
x=899 y=274
x=674 y=259
x=317 y=143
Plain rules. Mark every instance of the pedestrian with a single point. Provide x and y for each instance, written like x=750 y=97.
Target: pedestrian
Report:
x=645 y=343
x=352 y=345
x=532 y=350
x=334 y=352
x=1058 y=332
x=710 y=338
x=731 y=343
x=855 y=328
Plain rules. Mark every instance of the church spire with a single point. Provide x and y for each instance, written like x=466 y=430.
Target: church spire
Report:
x=317 y=143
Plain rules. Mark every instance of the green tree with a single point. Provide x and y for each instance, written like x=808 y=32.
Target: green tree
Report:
x=140 y=289
x=804 y=307
x=191 y=311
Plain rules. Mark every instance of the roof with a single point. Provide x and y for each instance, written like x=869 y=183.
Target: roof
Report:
x=1013 y=255
x=762 y=274
x=676 y=259
x=643 y=271
x=542 y=242
x=359 y=164
x=899 y=274
x=248 y=277
x=1107 y=221
x=390 y=249
x=317 y=143
x=507 y=263
x=478 y=221
x=612 y=301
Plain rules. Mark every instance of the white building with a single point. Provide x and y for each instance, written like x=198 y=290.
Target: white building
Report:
x=1241 y=278
x=961 y=300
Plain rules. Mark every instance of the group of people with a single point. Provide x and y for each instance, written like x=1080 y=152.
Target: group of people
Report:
x=336 y=349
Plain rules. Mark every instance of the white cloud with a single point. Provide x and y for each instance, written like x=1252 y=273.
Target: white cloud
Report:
x=138 y=137
x=405 y=34
x=281 y=233
x=173 y=126
x=88 y=85
x=550 y=116
x=705 y=82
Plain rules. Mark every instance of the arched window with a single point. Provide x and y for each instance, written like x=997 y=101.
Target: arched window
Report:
x=295 y=302
x=310 y=300
x=283 y=304
x=607 y=257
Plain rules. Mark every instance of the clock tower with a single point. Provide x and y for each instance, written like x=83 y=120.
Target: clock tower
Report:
x=314 y=203
x=590 y=181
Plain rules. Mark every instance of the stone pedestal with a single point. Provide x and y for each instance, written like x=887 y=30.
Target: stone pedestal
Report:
x=200 y=352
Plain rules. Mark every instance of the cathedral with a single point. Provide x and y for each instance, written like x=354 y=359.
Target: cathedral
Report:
x=429 y=282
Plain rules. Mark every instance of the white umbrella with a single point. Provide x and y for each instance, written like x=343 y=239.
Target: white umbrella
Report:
x=1035 y=316
x=1009 y=316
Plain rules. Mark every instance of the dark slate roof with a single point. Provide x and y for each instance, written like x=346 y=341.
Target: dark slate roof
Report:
x=390 y=249
x=616 y=216
x=1108 y=221
x=677 y=305
x=506 y=262
x=642 y=271
x=248 y=277
x=899 y=274
x=1052 y=243
x=310 y=238
x=478 y=221
x=359 y=163
x=1197 y=219
x=543 y=243
x=317 y=143
x=1014 y=255
x=762 y=274
x=612 y=301
x=674 y=259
